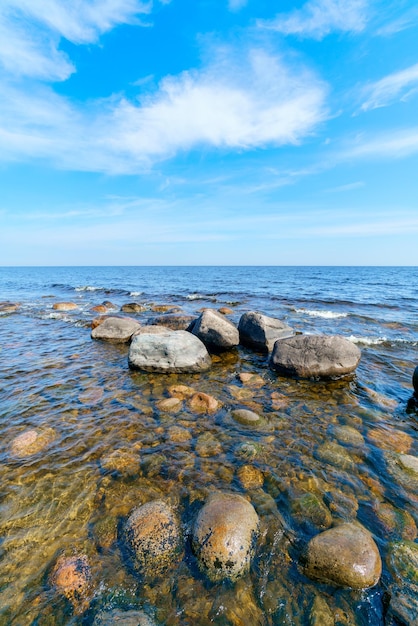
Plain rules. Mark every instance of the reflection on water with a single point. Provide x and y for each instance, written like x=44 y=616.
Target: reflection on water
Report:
x=84 y=441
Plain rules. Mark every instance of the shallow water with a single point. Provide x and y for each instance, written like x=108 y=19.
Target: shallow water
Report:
x=325 y=452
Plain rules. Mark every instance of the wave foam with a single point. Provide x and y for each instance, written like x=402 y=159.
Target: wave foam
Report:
x=368 y=341
x=89 y=288
x=135 y=294
x=200 y=296
x=324 y=314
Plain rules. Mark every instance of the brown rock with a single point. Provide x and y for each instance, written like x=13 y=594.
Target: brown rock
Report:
x=9 y=307
x=153 y=536
x=170 y=405
x=177 y=434
x=31 y=442
x=71 y=576
x=250 y=477
x=99 y=308
x=224 y=310
x=390 y=439
x=115 y=330
x=224 y=536
x=203 y=403
x=181 y=391
x=65 y=306
x=345 y=556
x=133 y=307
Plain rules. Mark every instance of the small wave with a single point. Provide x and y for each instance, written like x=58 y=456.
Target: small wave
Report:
x=378 y=341
x=200 y=296
x=135 y=294
x=324 y=314
x=89 y=288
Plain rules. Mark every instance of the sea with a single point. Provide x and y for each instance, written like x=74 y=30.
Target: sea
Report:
x=84 y=440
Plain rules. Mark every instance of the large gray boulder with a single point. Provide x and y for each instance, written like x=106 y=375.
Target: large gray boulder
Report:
x=345 y=556
x=260 y=332
x=216 y=332
x=317 y=356
x=115 y=330
x=169 y=352
x=175 y=322
x=152 y=535
x=224 y=536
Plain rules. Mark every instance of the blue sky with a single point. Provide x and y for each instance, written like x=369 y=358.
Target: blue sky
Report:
x=208 y=132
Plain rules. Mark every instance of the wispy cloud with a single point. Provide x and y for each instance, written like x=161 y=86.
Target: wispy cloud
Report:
x=395 y=144
x=348 y=187
x=31 y=30
x=240 y=101
x=318 y=18
x=237 y=5
x=399 y=24
x=396 y=86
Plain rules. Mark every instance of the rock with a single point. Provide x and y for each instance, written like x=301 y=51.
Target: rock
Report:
x=409 y=463
x=181 y=391
x=309 y=509
x=173 y=351
x=321 y=614
x=394 y=523
x=402 y=561
x=203 y=403
x=165 y=308
x=251 y=379
x=71 y=577
x=246 y=417
x=175 y=322
x=99 y=308
x=115 y=330
x=8 y=307
x=153 y=536
x=415 y=380
x=216 y=332
x=97 y=321
x=124 y=462
x=116 y=617
x=315 y=356
x=178 y=434
x=207 y=445
x=224 y=536
x=390 y=439
x=133 y=307
x=224 y=310
x=345 y=555
x=348 y=435
x=250 y=477
x=334 y=454
x=31 y=442
x=151 y=329
x=403 y=468
x=260 y=332
x=65 y=306
x=403 y=604
x=170 y=405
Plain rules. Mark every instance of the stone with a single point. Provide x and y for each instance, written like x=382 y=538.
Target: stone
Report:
x=171 y=352
x=203 y=403
x=117 y=617
x=224 y=310
x=216 y=332
x=72 y=578
x=115 y=330
x=250 y=476
x=260 y=332
x=403 y=604
x=31 y=442
x=165 y=308
x=251 y=379
x=315 y=356
x=170 y=405
x=348 y=435
x=97 y=321
x=151 y=329
x=394 y=523
x=175 y=322
x=178 y=434
x=181 y=391
x=415 y=380
x=402 y=561
x=207 y=445
x=345 y=555
x=390 y=439
x=65 y=306
x=321 y=614
x=409 y=463
x=99 y=308
x=9 y=307
x=224 y=536
x=246 y=417
x=124 y=462
x=133 y=307
x=153 y=536
x=309 y=509
x=334 y=454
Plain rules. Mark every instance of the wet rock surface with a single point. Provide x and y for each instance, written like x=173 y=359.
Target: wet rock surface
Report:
x=115 y=330
x=216 y=332
x=345 y=555
x=224 y=536
x=118 y=617
x=152 y=535
x=260 y=332
x=173 y=351
x=315 y=356
x=72 y=578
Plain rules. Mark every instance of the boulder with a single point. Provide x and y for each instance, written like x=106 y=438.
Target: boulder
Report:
x=9 y=307
x=117 y=617
x=175 y=322
x=115 y=330
x=246 y=417
x=260 y=332
x=132 y=307
x=72 y=577
x=170 y=352
x=31 y=442
x=65 y=306
x=345 y=555
x=152 y=535
x=415 y=380
x=315 y=356
x=224 y=536
x=216 y=332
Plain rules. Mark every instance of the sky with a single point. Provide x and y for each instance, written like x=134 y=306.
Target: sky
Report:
x=208 y=132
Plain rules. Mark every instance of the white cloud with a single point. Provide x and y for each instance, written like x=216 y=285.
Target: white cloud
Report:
x=237 y=5
x=243 y=101
x=396 y=144
x=318 y=18
x=30 y=31
x=398 y=85
x=405 y=21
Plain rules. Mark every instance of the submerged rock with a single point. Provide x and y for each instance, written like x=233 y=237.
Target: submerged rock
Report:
x=216 y=332
x=115 y=330
x=260 y=332
x=116 y=617
x=315 y=356
x=203 y=403
x=31 y=442
x=133 y=307
x=72 y=578
x=65 y=306
x=345 y=555
x=172 y=351
x=9 y=307
x=246 y=417
x=153 y=536
x=224 y=536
